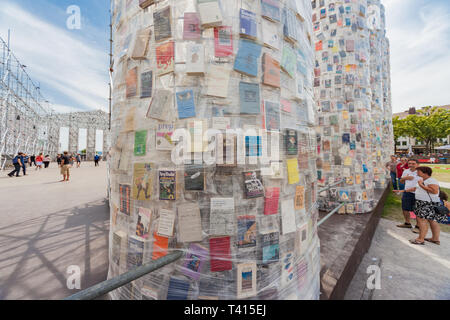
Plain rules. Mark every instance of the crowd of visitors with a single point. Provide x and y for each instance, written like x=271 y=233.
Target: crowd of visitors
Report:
x=421 y=197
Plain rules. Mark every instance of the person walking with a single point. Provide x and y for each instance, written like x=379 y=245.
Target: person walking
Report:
x=47 y=161
x=96 y=159
x=32 y=160
x=392 y=166
x=17 y=162
x=39 y=161
x=24 y=160
x=401 y=166
x=427 y=196
x=59 y=159
x=65 y=166
x=78 y=158
x=409 y=178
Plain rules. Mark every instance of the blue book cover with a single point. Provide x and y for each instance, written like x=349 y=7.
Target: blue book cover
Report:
x=249 y=98
x=253 y=147
x=270 y=9
x=248 y=24
x=247 y=58
x=178 y=289
x=186 y=104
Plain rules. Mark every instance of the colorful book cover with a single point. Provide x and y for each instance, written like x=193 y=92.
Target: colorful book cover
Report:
x=292 y=168
x=223 y=42
x=191 y=30
x=125 y=191
x=194 y=261
x=146 y=84
x=253 y=146
x=164 y=135
x=135 y=254
x=165 y=58
x=253 y=187
x=291 y=142
x=271 y=69
x=220 y=254
x=186 y=104
x=131 y=82
x=270 y=247
x=288 y=224
x=289 y=61
x=247 y=58
x=299 y=199
x=143 y=223
x=166 y=222
x=140 y=143
x=248 y=24
x=246 y=281
x=221 y=218
x=287 y=269
x=249 y=98
x=162 y=24
x=194 y=177
x=271 y=201
x=167 y=185
x=160 y=246
x=270 y=9
x=246 y=236
x=178 y=289
x=142 y=181
x=272 y=115
x=344 y=195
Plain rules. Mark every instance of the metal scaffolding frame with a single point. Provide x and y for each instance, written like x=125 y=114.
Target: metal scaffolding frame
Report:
x=27 y=121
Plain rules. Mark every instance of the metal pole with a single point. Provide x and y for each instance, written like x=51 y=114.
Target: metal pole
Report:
x=330 y=186
x=330 y=214
x=119 y=281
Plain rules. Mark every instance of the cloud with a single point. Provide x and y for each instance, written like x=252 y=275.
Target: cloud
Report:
x=70 y=69
x=420 y=52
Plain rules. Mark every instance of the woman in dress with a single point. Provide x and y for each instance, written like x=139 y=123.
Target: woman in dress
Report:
x=427 y=196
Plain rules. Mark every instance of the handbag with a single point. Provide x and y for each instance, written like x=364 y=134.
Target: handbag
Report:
x=439 y=208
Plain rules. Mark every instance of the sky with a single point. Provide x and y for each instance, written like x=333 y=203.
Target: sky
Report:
x=71 y=66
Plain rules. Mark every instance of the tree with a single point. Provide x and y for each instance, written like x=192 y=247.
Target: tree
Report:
x=428 y=125
x=400 y=130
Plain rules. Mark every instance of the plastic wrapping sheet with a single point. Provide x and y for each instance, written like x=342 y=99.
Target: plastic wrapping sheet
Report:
x=343 y=95
x=214 y=149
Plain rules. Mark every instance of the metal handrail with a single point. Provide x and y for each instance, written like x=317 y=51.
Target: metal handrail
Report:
x=331 y=186
x=330 y=214
x=111 y=284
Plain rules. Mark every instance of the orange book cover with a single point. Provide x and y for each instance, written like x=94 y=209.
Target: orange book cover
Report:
x=131 y=81
x=272 y=75
x=165 y=58
x=319 y=45
x=160 y=246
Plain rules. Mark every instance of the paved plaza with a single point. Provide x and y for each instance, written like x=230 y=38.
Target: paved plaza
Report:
x=47 y=226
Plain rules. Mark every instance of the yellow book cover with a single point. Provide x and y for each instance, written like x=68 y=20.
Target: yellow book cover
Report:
x=292 y=168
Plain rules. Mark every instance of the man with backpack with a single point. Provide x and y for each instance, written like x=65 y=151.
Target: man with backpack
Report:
x=24 y=160
x=17 y=165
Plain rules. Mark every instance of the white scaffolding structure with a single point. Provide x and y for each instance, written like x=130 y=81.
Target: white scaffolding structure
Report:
x=27 y=122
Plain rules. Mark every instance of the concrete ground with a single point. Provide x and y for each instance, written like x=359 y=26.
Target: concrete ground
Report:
x=47 y=226
x=408 y=272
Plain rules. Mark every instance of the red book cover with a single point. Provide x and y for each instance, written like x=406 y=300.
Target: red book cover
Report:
x=319 y=45
x=223 y=41
x=271 y=68
x=160 y=246
x=220 y=254
x=271 y=201
x=165 y=58
x=286 y=105
x=191 y=30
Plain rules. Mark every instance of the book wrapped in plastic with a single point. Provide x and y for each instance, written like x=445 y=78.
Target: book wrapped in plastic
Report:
x=214 y=149
x=347 y=131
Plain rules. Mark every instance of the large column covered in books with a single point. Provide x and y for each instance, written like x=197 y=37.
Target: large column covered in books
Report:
x=343 y=97
x=214 y=149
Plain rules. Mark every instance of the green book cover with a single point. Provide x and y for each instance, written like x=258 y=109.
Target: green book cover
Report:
x=140 y=143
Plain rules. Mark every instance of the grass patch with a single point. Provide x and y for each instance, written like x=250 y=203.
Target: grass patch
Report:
x=393 y=209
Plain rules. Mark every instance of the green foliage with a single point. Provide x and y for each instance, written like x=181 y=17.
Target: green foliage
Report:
x=428 y=125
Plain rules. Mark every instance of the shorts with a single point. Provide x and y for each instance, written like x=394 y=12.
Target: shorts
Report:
x=39 y=163
x=65 y=169
x=408 y=201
